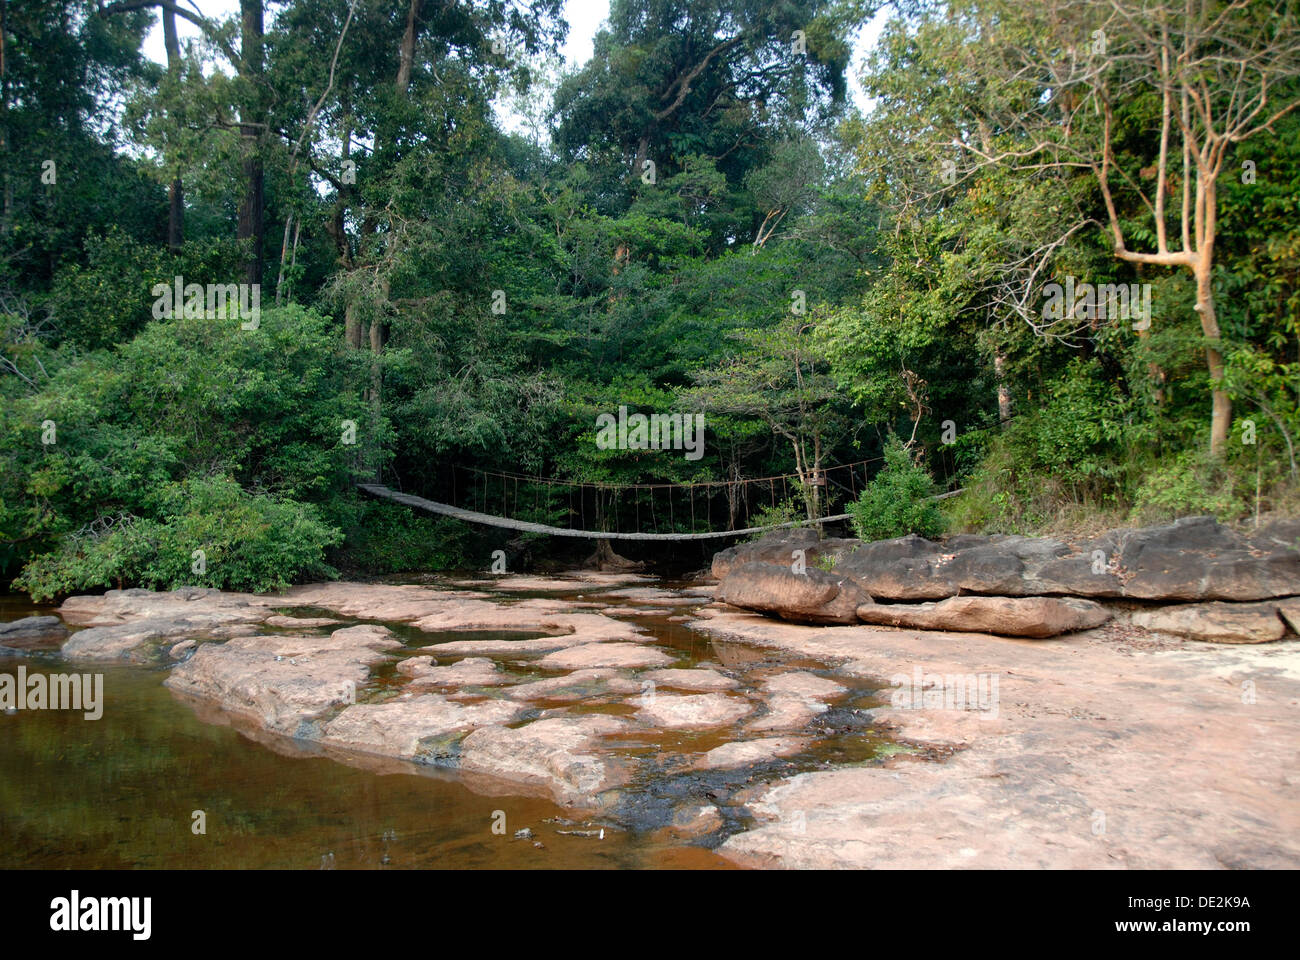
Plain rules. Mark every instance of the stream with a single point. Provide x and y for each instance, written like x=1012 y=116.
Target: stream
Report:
x=122 y=791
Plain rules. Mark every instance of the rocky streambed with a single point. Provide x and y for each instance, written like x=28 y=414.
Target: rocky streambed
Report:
x=593 y=713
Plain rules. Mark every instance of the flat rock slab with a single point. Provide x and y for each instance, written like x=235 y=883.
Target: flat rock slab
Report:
x=563 y=756
x=1189 y=773
x=787 y=713
x=397 y=727
x=1032 y=617
x=803 y=685
x=691 y=711
x=697 y=679
x=283 y=681
x=579 y=685
x=744 y=753
x=301 y=623
x=587 y=655
x=1217 y=622
x=472 y=671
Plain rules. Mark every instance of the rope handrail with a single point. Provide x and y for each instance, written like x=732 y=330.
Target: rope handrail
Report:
x=554 y=481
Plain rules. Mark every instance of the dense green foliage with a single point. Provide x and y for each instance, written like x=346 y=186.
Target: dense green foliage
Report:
x=899 y=501
x=696 y=223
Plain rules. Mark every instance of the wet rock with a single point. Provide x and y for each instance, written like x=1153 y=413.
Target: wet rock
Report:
x=472 y=671
x=127 y=640
x=1034 y=617
x=744 y=753
x=693 y=711
x=203 y=607
x=301 y=623
x=804 y=685
x=559 y=756
x=1216 y=622
x=282 y=681
x=787 y=713
x=588 y=655
x=397 y=727
x=32 y=631
x=579 y=685
x=814 y=596
x=697 y=679
x=695 y=820
x=778 y=548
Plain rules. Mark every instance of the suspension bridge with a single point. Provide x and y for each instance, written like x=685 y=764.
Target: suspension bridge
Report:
x=489 y=494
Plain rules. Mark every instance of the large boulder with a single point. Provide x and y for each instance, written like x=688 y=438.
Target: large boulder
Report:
x=1033 y=617
x=1221 y=622
x=32 y=632
x=779 y=548
x=813 y=596
x=1190 y=560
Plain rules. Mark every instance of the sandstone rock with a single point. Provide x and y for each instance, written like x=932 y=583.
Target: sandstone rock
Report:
x=778 y=548
x=689 y=712
x=744 y=753
x=472 y=671
x=802 y=684
x=1192 y=559
x=32 y=631
x=697 y=679
x=558 y=755
x=283 y=681
x=811 y=597
x=397 y=727
x=1289 y=610
x=301 y=623
x=1216 y=622
x=579 y=685
x=787 y=713
x=695 y=820
x=589 y=655
x=1034 y=617
x=127 y=640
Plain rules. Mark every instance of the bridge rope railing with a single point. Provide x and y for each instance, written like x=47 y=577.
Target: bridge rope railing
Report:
x=676 y=507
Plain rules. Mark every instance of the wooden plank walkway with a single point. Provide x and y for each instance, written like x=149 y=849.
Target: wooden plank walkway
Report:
x=471 y=516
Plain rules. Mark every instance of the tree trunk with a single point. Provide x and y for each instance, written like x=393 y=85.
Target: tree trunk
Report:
x=251 y=209
x=406 y=52
x=176 y=190
x=1004 y=391
x=1220 y=402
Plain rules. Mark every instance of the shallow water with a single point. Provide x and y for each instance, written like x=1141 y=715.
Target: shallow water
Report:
x=121 y=791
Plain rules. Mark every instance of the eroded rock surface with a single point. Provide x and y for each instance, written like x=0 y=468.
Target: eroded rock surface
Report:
x=283 y=681
x=813 y=596
x=398 y=727
x=560 y=755
x=1035 y=617
x=1218 y=622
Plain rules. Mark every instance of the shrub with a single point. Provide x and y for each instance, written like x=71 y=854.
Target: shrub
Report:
x=898 y=501
x=248 y=542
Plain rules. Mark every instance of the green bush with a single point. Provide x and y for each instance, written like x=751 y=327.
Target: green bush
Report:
x=897 y=502
x=248 y=542
x=1191 y=485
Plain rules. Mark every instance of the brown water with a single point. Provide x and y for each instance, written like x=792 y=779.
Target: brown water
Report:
x=121 y=791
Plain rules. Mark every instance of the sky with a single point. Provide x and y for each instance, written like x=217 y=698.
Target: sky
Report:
x=584 y=17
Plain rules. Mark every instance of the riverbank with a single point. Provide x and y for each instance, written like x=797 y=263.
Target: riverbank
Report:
x=649 y=711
